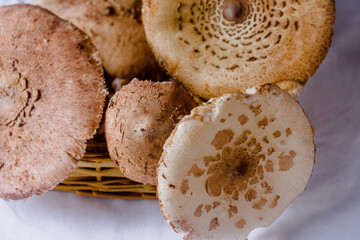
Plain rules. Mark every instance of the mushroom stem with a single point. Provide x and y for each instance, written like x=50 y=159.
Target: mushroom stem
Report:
x=236 y=10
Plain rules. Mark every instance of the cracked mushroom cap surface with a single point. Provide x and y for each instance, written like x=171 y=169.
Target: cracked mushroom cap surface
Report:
x=52 y=96
x=115 y=27
x=234 y=164
x=216 y=47
x=139 y=119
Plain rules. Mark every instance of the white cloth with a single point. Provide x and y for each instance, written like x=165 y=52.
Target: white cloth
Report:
x=328 y=210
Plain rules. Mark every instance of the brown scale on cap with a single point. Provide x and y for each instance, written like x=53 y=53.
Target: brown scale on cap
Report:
x=234 y=171
x=250 y=195
x=241 y=185
x=240 y=224
x=269 y=166
x=198 y=211
x=184 y=187
x=275 y=201
x=286 y=161
x=196 y=171
x=52 y=96
x=214 y=223
x=16 y=98
x=243 y=119
x=231 y=45
x=139 y=119
x=232 y=210
x=222 y=138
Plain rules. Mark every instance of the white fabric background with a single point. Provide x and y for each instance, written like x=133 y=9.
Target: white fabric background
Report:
x=328 y=210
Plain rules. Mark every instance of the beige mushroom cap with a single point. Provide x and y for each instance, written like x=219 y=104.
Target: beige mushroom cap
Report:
x=235 y=164
x=227 y=46
x=116 y=29
x=139 y=119
x=52 y=96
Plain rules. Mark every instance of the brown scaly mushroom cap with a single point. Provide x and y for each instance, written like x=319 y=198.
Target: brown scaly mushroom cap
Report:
x=116 y=29
x=215 y=47
x=139 y=119
x=235 y=164
x=51 y=99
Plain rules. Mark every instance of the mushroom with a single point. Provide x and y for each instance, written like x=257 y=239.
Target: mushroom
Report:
x=116 y=29
x=234 y=164
x=216 y=47
x=118 y=83
x=52 y=94
x=139 y=119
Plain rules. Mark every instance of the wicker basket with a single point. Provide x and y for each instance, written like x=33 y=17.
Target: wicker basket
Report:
x=98 y=176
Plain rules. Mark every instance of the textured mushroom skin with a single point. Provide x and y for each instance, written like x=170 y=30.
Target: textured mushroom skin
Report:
x=212 y=51
x=116 y=29
x=234 y=164
x=139 y=119
x=52 y=96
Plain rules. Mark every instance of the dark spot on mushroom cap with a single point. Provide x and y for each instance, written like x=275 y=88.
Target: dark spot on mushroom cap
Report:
x=222 y=138
x=233 y=172
x=275 y=201
x=1 y=165
x=277 y=134
x=250 y=195
x=260 y=204
x=241 y=169
x=286 y=162
x=111 y=11
x=196 y=171
x=232 y=210
x=240 y=224
x=236 y=10
x=243 y=119
x=198 y=211
x=184 y=187
x=288 y=132
x=214 y=223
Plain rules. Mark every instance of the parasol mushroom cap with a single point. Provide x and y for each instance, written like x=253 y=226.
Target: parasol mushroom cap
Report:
x=139 y=119
x=234 y=164
x=115 y=27
x=52 y=96
x=217 y=47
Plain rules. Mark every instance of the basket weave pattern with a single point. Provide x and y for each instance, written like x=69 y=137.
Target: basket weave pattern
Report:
x=98 y=176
